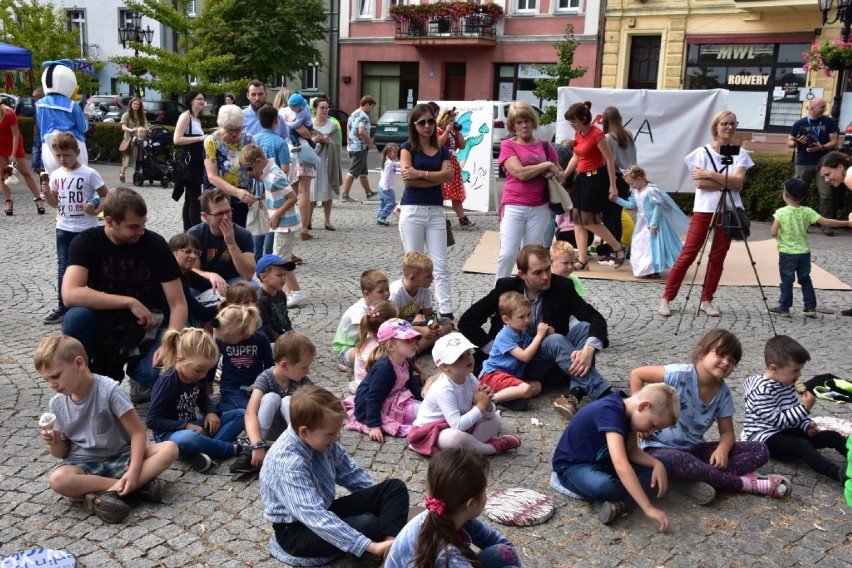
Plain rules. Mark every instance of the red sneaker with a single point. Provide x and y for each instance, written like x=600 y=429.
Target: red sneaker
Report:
x=505 y=443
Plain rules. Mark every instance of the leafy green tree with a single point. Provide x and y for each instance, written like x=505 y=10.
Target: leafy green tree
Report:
x=172 y=72
x=39 y=26
x=561 y=73
x=267 y=38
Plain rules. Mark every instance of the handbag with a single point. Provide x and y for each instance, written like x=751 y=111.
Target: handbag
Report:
x=257 y=221
x=451 y=240
x=308 y=156
x=558 y=199
x=124 y=146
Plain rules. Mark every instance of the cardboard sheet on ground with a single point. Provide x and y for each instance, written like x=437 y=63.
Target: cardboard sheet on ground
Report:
x=737 y=271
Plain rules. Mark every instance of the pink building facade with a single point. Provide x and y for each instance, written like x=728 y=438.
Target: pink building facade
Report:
x=471 y=58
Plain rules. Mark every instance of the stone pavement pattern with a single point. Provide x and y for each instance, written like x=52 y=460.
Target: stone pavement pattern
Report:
x=208 y=520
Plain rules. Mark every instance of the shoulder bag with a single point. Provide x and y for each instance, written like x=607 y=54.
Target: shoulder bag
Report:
x=735 y=222
x=557 y=198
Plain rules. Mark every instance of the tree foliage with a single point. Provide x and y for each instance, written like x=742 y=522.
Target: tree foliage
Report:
x=561 y=73
x=267 y=37
x=39 y=26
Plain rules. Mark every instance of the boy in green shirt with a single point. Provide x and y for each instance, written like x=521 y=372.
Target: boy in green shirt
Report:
x=790 y=230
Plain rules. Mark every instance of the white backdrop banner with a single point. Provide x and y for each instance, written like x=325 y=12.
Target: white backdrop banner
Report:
x=476 y=118
x=666 y=125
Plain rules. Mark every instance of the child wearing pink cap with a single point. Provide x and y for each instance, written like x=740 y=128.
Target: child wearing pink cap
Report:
x=388 y=398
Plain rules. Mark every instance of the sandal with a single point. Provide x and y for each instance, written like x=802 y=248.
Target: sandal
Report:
x=580 y=265
x=620 y=257
x=121 y=177
x=330 y=227
x=39 y=208
x=305 y=236
x=10 y=208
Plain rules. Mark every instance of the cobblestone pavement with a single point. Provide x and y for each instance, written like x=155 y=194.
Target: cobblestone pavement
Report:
x=209 y=520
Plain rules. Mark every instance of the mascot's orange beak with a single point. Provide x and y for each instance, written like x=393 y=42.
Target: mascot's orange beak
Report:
x=76 y=94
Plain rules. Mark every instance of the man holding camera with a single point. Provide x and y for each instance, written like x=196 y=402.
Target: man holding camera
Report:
x=814 y=136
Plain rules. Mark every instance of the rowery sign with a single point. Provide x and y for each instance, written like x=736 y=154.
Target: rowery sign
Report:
x=747 y=79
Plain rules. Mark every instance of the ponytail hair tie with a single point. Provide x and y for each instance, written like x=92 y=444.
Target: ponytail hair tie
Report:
x=215 y=323
x=434 y=505
x=373 y=312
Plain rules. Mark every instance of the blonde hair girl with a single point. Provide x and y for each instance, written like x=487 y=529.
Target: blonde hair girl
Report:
x=189 y=356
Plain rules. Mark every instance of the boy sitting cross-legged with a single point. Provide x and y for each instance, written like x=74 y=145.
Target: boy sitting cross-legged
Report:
x=598 y=456
x=513 y=348
x=297 y=485
x=413 y=300
x=97 y=434
x=374 y=289
x=272 y=272
x=268 y=410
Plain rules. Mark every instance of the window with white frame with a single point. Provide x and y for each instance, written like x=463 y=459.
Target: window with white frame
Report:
x=310 y=75
x=77 y=23
x=568 y=4
x=366 y=9
x=124 y=19
x=527 y=5
x=190 y=9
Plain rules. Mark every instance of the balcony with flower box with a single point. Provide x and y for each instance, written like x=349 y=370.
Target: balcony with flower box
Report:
x=446 y=24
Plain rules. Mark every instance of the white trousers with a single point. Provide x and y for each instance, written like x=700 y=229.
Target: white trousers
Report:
x=424 y=228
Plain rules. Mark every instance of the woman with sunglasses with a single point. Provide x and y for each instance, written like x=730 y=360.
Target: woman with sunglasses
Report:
x=524 y=213
x=425 y=165
x=186 y=249
x=708 y=174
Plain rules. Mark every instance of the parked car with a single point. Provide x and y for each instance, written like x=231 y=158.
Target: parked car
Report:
x=160 y=111
x=846 y=147
x=501 y=110
x=22 y=105
x=391 y=127
x=93 y=104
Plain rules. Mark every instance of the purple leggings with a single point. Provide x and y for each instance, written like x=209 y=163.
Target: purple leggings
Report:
x=693 y=465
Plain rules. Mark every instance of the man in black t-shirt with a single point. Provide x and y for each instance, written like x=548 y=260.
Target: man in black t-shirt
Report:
x=227 y=250
x=814 y=136
x=119 y=273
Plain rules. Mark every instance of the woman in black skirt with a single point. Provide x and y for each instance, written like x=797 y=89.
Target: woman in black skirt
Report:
x=594 y=185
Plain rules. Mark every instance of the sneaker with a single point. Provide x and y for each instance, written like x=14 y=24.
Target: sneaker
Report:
x=608 y=511
x=781 y=312
x=382 y=222
x=709 y=309
x=370 y=194
x=773 y=486
x=699 y=491
x=296 y=259
x=466 y=223
x=297 y=298
x=242 y=464
x=828 y=231
x=518 y=405
x=567 y=405
x=107 y=506
x=505 y=443
x=56 y=316
x=809 y=312
x=344 y=198
x=199 y=462
x=139 y=395
x=152 y=491
x=664 y=309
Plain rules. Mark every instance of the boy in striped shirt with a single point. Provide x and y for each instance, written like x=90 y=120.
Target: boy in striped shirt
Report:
x=776 y=415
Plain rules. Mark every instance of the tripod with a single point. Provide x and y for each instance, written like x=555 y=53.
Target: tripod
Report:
x=718 y=220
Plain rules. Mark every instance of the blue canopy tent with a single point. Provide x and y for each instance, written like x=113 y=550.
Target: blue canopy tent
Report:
x=13 y=57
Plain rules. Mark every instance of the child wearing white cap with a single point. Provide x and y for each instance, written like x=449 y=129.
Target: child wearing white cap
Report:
x=458 y=412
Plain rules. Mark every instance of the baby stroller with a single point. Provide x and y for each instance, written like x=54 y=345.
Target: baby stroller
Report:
x=153 y=156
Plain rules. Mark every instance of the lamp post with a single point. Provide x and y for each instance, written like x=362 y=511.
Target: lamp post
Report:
x=132 y=31
x=842 y=14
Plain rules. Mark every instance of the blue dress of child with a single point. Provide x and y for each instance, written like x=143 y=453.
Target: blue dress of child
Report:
x=651 y=254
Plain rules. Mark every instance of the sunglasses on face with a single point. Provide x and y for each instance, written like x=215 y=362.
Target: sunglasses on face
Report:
x=424 y=121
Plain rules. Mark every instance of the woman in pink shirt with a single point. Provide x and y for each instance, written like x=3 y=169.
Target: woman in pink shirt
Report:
x=594 y=185
x=524 y=213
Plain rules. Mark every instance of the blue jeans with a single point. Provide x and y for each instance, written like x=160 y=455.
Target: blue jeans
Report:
x=599 y=482
x=63 y=242
x=550 y=231
x=36 y=164
x=796 y=266
x=233 y=398
x=387 y=201
x=263 y=245
x=554 y=355
x=221 y=445
x=83 y=324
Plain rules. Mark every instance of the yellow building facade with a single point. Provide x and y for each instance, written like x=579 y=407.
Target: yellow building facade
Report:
x=753 y=48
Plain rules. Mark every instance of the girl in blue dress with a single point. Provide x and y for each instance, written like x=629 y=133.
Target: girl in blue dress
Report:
x=656 y=244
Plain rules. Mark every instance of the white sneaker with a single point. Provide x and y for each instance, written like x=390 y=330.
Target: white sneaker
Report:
x=664 y=309
x=296 y=299
x=710 y=309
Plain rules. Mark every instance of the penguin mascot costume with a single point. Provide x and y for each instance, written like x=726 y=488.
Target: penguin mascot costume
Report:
x=58 y=111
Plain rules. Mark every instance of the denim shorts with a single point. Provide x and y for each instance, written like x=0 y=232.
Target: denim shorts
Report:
x=113 y=467
x=344 y=357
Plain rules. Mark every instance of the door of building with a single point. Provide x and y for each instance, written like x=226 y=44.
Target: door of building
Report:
x=644 y=62
x=454 y=81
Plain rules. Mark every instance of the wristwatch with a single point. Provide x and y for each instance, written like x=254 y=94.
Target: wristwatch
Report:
x=258 y=446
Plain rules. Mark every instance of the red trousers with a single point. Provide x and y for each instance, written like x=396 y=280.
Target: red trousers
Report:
x=694 y=241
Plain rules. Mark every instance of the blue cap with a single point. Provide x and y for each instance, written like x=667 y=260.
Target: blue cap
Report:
x=296 y=100
x=268 y=260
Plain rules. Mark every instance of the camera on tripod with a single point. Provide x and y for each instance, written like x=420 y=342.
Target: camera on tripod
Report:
x=729 y=150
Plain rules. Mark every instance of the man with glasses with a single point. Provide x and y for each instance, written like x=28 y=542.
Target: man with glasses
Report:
x=359 y=142
x=123 y=290
x=813 y=137
x=227 y=250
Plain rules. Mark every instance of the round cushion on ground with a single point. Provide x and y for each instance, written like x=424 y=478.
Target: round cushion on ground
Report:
x=516 y=506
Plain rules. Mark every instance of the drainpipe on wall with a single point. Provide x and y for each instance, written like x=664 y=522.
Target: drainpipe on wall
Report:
x=334 y=53
x=600 y=45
